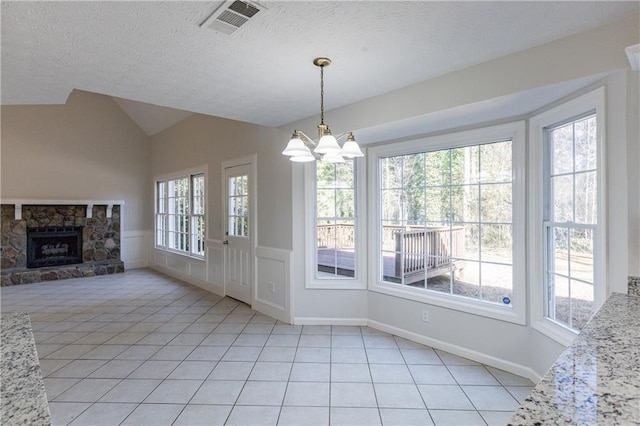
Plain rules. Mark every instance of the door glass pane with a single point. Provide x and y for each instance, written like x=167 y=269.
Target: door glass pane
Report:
x=238 y=202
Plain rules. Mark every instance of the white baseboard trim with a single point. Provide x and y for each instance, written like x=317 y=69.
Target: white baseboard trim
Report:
x=135 y=264
x=188 y=279
x=489 y=360
x=330 y=321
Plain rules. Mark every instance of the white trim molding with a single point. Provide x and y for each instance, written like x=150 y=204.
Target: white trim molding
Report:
x=19 y=202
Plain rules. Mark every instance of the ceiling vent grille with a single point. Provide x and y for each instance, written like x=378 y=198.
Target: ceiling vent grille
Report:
x=232 y=15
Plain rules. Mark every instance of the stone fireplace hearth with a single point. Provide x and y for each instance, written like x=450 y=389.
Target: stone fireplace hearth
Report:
x=53 y=242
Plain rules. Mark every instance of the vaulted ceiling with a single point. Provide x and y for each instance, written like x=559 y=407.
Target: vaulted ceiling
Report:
x=155 y=57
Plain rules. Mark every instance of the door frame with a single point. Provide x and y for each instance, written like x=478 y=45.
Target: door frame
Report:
x=251 y=161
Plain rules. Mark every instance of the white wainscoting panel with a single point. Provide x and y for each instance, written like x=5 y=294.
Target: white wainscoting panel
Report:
x=134 y=247
x=185 y=268
x=215 y=266
x=272 y=292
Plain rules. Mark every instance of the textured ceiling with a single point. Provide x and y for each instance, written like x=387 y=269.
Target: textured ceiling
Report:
x=156 y=52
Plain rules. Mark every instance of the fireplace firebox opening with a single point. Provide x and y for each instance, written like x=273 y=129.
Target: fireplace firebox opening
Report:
x=53 y=246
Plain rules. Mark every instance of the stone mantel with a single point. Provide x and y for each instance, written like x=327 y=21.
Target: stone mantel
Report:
x=19 y=202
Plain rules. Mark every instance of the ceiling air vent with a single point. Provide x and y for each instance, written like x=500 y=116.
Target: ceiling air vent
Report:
x=232 y=15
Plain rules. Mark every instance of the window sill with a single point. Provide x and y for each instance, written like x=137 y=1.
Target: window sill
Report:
x=555 y=331
x=335 y=284
x=468 y=306
x=180 y=253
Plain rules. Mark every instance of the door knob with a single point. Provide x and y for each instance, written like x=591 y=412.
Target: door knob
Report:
x=225 y=242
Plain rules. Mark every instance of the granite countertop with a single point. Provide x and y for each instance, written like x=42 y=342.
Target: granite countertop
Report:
x=596 y=380
x=24 y=401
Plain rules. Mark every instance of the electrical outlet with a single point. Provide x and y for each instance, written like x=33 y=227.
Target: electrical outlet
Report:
x=272 y=287
x=425 y=315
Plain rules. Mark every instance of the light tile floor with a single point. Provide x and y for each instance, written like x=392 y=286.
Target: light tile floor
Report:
x=141 y=348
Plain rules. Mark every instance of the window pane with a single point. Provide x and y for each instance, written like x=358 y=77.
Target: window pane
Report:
x=438 y=165
x=392 y=205
x=469 y=247
x=497 y=243
x=562 y=198
x=586 y=147
x=344 y=203
x=415 y=200
x=414 y=170
x=559 y=259
x=464 y=203
x=438 y=205
x=561 y=141
x=467 y=279
x=464 y=168
x=440 y=280
x=586 y=198
x=560 y=295
x=496 y=203
x=495 y=162
x=497 y=283
x=582 y=254
x=581 y=303
x=325 y=175
x=392 y=172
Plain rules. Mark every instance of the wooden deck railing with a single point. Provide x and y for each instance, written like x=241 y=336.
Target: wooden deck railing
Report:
x=419 y=253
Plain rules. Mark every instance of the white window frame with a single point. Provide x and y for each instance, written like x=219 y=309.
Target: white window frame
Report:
x=189 y=174
x=516 y=131
x=359 y=280
x=592 y=101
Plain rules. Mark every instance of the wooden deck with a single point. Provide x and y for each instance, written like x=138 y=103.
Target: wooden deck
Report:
x=344 y=259
x=409 y=255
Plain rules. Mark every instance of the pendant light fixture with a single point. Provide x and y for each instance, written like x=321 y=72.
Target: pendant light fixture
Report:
x=327 y=147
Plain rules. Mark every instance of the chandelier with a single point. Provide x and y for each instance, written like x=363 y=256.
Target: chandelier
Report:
x=327 y=148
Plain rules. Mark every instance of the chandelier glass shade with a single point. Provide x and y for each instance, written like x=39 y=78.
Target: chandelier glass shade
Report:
x=327 y=148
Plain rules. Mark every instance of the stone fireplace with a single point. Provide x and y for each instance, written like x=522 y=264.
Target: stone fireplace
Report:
x=45 y=242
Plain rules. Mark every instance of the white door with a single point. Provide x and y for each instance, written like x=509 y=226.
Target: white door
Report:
x=238 y=247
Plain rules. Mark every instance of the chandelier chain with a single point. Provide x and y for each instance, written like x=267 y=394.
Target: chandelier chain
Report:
x=321 y=94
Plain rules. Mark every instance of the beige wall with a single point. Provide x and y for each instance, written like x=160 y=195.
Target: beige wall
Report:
x=87 y=148
x=204 y=140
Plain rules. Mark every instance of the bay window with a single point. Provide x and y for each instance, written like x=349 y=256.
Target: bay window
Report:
x=450 y=220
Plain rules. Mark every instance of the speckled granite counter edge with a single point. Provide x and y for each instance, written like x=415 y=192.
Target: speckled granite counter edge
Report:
x=24 y=401
x=634 y=285
x=595 y=380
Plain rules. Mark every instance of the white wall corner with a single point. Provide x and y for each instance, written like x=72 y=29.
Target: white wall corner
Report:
x=633 y=53
x=489 y=360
